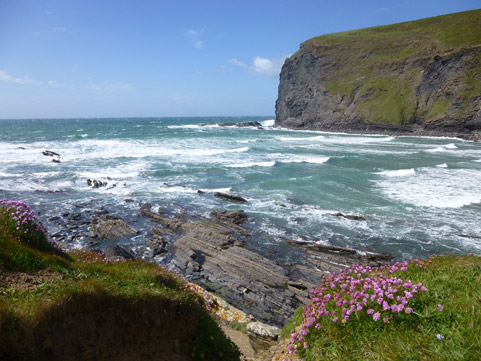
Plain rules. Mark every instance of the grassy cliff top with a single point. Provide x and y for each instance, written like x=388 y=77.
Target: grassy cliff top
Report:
x=421 y=37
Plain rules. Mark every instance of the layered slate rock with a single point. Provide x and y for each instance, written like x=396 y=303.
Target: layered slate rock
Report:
x=113 y=229
x=217 y=253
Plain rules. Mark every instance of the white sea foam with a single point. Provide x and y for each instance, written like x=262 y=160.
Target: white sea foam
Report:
x=301 y=139
x=444 y=165
x=398 y=173
x=435 y=187
x=268 y=123
x=443 y=148
x=177 y=189
x=305 y=159
x=252 y=164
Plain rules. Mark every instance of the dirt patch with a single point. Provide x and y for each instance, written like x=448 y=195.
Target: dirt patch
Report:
x=24 y=281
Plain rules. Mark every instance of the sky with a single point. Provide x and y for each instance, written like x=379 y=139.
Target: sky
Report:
x=139 y=58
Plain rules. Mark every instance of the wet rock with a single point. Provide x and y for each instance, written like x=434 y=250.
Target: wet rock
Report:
x=119 y=252
x=262 y=336
x=236 y=217
x=128 y=200
x=49 y=153
x=229 y=197
x=56 y=156
x=348 y=216
x=156 y=242
x=254 y=124
x=96 y=183
x=113 y=229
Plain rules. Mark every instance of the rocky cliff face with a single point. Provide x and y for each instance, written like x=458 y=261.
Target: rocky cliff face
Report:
x=421 y=77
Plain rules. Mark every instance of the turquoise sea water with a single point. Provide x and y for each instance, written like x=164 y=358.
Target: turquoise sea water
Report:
x=419 y=195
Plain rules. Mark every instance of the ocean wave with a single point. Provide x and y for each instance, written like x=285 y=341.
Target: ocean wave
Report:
x=301 y=139
x=306 y=159
x=252 y=164
x=444 y=165
x=398 y=173
x=443 y=148
x=435 y=187
x=268 y=123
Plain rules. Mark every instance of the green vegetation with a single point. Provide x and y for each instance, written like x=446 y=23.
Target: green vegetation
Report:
x=79 y=305
x=379 y=66
x=440 y=323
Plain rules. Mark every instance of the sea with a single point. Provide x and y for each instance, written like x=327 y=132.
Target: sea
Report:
x=417 y=196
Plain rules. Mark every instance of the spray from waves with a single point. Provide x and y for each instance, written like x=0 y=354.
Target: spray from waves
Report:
x=398 y=173
x=268 y=123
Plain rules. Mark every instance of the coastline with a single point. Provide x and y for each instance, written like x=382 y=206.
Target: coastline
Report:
x=387 y=130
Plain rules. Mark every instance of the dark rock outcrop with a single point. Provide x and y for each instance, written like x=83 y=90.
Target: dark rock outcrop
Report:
x=230 y=197
x=118 y=252
x=254 y=124
x=56 y=156
x=348 y=216
x=400 y=79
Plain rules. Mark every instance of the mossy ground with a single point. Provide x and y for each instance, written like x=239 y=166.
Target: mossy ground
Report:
x=84 y=307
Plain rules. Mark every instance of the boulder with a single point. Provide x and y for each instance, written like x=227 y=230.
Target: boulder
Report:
x=113 y=229
x=236 y=217
x=119 y=252
x=262 y=336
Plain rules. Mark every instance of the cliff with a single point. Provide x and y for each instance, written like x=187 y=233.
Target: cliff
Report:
x=420 y=77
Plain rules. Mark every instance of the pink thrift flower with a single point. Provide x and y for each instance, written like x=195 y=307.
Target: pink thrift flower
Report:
x=408 y=310
x=370 y=311
x=376 y=316
x=440 y=307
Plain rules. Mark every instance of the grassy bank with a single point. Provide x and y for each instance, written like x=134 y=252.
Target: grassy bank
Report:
x=81 y=306
x=439 y=318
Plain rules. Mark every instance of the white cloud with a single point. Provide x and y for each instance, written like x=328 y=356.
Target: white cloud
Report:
x=109 y=88
x=59 y=28
x=236 y=62
x=4 y=76
x=54 y=84
x=194 y=38
x=268 y=67
x=179 y=98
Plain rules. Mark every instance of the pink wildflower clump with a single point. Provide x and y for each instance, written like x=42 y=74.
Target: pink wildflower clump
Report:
x=377 y=292
x=21 y=222
x=89 y=256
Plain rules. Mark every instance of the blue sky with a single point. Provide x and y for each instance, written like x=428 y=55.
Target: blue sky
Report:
x=119 y=58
